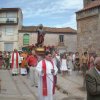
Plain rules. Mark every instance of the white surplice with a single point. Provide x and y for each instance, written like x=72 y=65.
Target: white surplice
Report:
x=14 y=69
x=49 y=77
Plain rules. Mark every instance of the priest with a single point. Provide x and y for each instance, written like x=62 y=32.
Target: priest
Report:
x=47 y=71
x=14 y=61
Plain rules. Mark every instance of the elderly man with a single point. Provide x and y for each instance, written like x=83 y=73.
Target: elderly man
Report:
x=93 y=81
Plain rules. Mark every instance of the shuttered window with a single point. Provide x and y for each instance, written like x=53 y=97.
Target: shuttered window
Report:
x=26 y=39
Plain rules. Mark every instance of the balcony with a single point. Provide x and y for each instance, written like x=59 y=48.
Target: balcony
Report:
x=8 y=21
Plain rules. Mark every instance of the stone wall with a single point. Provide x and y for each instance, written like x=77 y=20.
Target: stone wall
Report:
x=51 y=39
x=70 y=41
x=88 y=34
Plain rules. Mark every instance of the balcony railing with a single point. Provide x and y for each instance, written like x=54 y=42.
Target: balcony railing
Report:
x=8 y=21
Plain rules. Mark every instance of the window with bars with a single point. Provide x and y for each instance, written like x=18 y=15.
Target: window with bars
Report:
x=26 y=39
x=61 y=38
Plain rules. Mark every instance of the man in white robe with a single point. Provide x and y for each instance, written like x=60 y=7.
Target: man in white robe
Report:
x=46 y=70
x=15 y=60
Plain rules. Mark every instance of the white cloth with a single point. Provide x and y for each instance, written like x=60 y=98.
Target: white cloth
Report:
x=23 y=71
x=49 y=77
x=15 y=70
x=21 y=58
x=97 y=71
x=64 y=65
x=54 y=60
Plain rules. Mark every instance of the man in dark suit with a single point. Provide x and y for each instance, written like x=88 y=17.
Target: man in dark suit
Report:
x=93 y=81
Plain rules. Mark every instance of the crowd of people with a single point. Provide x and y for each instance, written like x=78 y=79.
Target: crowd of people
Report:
x=43 y=70
x=65 y=61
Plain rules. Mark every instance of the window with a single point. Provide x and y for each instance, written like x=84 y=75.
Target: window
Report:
x=8 y=46
x=61 y=38
x=9 y=30
x=26 y=39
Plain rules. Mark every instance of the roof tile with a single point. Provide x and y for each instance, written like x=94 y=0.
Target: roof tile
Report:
x=48 y=29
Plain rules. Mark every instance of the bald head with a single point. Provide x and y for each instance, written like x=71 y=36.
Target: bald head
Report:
x=97 y=62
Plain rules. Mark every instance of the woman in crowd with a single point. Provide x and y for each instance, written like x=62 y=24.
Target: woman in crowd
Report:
x=64 y=67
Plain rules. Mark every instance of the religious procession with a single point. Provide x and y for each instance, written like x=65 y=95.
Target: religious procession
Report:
x=42 y=67
x=42 y=70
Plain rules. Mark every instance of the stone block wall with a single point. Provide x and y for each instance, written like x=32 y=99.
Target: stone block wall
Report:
x=88 y=33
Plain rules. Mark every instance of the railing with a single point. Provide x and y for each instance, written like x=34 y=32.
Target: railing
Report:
x=8 y=20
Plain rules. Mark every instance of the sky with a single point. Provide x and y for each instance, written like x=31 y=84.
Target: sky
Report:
x=50 y=13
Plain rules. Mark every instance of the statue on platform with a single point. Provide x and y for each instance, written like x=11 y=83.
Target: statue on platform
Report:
x=40 y=37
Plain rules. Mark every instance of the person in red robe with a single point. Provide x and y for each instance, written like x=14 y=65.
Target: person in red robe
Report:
x=47 y=71
x=15 y=61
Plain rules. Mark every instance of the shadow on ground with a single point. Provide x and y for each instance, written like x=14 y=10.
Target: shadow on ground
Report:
x=73 y=98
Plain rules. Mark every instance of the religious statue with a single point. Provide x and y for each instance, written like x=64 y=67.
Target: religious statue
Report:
x=41 y=34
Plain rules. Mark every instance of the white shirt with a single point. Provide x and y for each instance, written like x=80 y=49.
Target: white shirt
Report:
x=97 y=71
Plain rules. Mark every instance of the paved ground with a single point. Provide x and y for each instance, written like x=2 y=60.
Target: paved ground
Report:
x=18 y=87
x=73 y=85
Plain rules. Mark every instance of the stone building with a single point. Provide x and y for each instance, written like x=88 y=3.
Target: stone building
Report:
x=14 y=35
x=10 y=23
x=88 y=26
x=63 y=38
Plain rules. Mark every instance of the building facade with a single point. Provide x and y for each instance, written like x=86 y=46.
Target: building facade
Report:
x=10 y=23
x=14 y=35
x=88 y=27
x=65 y=39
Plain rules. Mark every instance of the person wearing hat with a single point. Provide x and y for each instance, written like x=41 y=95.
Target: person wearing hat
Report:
x=93 y=81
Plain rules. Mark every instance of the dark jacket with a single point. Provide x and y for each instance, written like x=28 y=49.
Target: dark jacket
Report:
x=93 y=84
